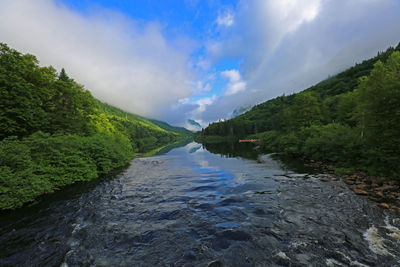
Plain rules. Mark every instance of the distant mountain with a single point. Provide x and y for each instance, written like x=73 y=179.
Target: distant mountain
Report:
x=167 y=127
x=239 y=111
x=194 y=123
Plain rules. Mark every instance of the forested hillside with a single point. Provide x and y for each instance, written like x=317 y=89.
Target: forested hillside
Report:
x=168 y=127
x=352 y=118
x=53 y=132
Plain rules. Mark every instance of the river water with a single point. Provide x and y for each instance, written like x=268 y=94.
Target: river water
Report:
x=192 y=207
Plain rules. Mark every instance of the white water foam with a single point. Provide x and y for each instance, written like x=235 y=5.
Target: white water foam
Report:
x=298 y=244
x=376 y=242
x=283 y=256
x=332 y=263
x=394 y=231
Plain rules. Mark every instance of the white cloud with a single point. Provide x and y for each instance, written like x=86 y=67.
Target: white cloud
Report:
x=202 y=86
x=122 y=62
x=235 y=84
x=180 y=114
x=233 y=75
x=288 y=15
x=261 y=25
x=226 y=19
x=204 y=102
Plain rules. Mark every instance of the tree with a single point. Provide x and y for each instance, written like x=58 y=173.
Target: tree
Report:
x=63 y=76
x=304 y=112
x=379 y=102
x=25 y=90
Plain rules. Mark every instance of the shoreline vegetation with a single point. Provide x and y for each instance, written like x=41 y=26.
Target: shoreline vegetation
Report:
x=348 y=123
x=54 y=133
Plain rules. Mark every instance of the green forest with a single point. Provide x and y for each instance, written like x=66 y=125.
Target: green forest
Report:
x=53 y=132
x=351 y=119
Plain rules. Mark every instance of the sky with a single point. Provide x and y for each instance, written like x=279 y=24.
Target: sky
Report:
x=175 y=60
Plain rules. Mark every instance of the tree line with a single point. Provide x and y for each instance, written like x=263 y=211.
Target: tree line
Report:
x=351 y=119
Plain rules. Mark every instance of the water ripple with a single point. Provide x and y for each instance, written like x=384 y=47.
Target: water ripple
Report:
x=194 y=208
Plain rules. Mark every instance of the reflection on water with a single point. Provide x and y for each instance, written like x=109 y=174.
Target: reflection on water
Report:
x=251 y=151
x=191 y=207
x=233 y=149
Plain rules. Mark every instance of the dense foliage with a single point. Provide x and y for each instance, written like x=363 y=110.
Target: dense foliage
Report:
x=54 y=133
x=351 y=119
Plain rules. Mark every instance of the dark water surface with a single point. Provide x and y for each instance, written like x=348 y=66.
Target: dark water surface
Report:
x=191 y=207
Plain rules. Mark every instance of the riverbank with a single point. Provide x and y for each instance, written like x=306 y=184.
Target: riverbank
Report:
x=384 y=191
x=42 y=164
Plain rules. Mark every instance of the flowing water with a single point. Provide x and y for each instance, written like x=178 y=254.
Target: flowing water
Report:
x=192 y=207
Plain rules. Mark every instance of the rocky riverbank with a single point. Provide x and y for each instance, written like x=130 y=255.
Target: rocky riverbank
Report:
x=381 y=190
x=385 y=192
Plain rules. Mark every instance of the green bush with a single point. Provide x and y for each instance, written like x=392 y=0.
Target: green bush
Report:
x=269 y=141
x=41 y=162
x=334 y=143
x=18 y=183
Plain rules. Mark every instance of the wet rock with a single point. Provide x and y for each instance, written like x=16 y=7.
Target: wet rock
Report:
x=359 y=191
x=386 y=188
x=361 y=186
x=347 y=181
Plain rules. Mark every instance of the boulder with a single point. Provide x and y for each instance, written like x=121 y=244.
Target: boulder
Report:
x=361 y=186
x=359 y=191
x=385 y=188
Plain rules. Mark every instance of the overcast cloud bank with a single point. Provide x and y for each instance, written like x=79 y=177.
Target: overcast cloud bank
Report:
x=284 y=45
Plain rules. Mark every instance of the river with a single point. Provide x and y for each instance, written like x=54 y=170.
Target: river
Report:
x=193 y=207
